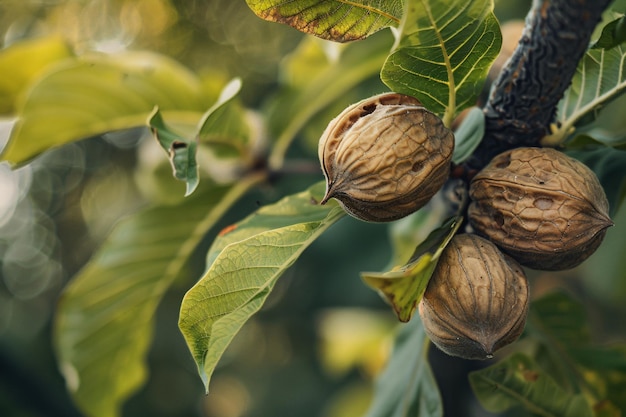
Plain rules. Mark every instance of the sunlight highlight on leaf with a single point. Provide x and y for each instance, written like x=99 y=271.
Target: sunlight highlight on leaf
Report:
x=22 y=62
x=335 y=20
x=443 y=53
x=244 y=264
x=95 y=94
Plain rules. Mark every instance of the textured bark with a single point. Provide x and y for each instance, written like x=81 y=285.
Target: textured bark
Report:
x=524 y=98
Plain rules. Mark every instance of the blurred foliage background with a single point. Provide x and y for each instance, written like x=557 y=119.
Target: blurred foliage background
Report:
x=322 y=337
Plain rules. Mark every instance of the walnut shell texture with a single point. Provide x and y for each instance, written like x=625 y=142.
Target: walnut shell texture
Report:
x=385 y=157
x=542 y=207
x=476 y=301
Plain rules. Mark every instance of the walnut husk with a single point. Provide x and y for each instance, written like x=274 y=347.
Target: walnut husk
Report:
x=384 y=157
x=476 y=301
x=542 y=207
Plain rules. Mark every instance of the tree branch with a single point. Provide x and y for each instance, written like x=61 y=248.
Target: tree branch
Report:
x=524 y=98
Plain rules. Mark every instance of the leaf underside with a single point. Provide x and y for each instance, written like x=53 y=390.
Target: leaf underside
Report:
x=181 y=151
x=407 y=387
x=243 y=266
x=334 y=20
x=599 y=79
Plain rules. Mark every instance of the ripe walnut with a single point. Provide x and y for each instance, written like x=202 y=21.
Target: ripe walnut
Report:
x=540 y=206
x=385 y=157
x=476 y=301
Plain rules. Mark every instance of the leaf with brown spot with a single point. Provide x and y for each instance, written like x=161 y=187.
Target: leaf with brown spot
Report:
x=334 y=20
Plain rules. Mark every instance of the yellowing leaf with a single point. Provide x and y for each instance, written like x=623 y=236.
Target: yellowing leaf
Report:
x=95 y=94
x=23 y=62
x=335 y=20
x=404 y=286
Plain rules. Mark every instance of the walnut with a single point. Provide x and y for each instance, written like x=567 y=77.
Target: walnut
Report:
x=540 y=206
x=476 y=301
x=385 y=157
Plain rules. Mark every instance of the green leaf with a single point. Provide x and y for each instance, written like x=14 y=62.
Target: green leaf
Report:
x=407 y=387
x=23 y=62
x=223 y=127
x=404 y=286
x=608 y=164
x=443 y=52
x=105 y=317
x=243 y=266
x=335 y=20
x=95 y=94
x=605 y=359
x=562 y=319
x=469 y=134
x=181 y=151
x=518 y=381
x=612 y=35
x=599 y=79
x=559 y=323
x=356 y=63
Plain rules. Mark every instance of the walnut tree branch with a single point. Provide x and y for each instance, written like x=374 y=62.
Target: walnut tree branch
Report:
x=524 y=98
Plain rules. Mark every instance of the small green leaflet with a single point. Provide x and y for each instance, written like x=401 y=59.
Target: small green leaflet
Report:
x=181 y=151
x=404 y=286
x=223 y=128
x=444 y=49
x=244 y=270
x=468 y=136
x=407 y=387
x=518 y=381
x=334 y=20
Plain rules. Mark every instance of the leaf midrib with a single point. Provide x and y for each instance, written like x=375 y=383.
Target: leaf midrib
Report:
x=451 y=108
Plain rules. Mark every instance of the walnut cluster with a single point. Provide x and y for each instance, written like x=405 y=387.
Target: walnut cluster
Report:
x=385 y=157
